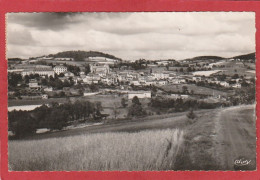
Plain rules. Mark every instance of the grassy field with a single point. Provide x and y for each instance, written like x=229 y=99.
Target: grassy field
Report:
x=233 y=67
x=108 y=151
x=196 y=89
x=159 y=142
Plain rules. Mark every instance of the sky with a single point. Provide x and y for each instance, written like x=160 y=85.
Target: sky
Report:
x=131 y=36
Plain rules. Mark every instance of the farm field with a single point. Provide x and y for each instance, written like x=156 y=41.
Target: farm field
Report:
x=212 y=142
x=205 y=73
x=108 y=151
x=196 y=89
x=107 y=100
x=236 y=68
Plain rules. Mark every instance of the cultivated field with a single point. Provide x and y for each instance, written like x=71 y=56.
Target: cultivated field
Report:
x=108 y=151
x=196 y=89
x=214 y=140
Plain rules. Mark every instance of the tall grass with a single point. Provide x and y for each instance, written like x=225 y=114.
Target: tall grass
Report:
x=145 y=150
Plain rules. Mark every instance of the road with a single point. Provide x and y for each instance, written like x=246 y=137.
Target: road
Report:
x=236 y=138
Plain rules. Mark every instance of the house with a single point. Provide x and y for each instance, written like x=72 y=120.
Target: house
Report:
x=135 y=82
x=159 y=75
x=90 y=93
x=48 y=89
x=64 y=59
x=196 y=78
x=44 y=96
x=139 y=94
x=68 y=74
x=237 y=85
x=177 y=81
x=96 y=69
x=81 y=73
x=39 y=69
x=33 y=84
x=150 y=83
x=224 y=83
x=179 y=96
x=91 y=78
x=161 y=82
x=60 y=69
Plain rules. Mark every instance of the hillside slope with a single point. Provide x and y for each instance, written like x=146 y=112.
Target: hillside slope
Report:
x=81 y=55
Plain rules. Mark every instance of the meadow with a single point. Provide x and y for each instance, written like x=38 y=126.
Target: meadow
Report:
x=107 y=151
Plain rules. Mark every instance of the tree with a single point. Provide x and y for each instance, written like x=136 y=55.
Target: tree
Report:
x=123 y=102
x=235 y=76
x=136 y=108
x=21 y=123
x=184 y=89
x=115 y=111
x=14 y=79
x=66 y=83
x=87 y=69
x=135 y=100
x=93 y=87
x=191 y=116
x=57 y=119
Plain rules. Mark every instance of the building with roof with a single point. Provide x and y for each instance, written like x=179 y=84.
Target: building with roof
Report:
x=41 y=70
x=99 y=69
x=60 y=69
x=139 y=94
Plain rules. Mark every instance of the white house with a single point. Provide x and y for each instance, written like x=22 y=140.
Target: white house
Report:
x=39 y=69
x=68 y=74
x=179 y=96
x=224 y=83
x=161 y=82
x=64 y=59
x=60 y=69
x=48 y=89
x=139 y=94
x=33 y=84
x=237 y=85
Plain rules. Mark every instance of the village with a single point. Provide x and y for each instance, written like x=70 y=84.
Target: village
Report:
x=153 y=92
x=102 y=75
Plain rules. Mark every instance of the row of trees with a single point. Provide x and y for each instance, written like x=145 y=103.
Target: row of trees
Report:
x=56 y=116
x=181 y=105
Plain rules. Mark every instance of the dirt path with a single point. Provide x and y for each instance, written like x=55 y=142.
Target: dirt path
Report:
x=235 y=137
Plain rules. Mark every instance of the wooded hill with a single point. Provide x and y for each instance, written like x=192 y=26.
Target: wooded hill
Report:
x=82 y=55
x=250 y=56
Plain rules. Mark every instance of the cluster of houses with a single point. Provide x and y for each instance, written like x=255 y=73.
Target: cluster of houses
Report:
x=228 y=82
x=101 y=73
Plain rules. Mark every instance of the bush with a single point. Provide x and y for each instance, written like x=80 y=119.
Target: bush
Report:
x=191 y=117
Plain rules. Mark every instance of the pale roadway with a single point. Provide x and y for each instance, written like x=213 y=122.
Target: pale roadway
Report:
x=235 y=136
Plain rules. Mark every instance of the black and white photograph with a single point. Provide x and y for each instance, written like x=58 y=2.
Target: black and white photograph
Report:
x=131 y=91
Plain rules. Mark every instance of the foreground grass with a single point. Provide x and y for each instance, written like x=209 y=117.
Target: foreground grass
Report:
x=145 y=150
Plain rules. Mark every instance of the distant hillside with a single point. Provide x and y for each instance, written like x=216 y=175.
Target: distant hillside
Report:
x=208 y=57
x=14 y=59
x=81 y=55
x=204 y=58
x=246 y=56
x=250 y=56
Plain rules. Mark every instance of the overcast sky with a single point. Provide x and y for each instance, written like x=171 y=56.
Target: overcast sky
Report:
x=130 y=36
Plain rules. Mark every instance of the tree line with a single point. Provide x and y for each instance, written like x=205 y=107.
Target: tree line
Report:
x=180 y=105
x=53 y=117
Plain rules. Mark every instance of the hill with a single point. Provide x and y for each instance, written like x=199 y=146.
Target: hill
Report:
x=207 y=57
x=82 y=55
x=250 y=56
x=204 y=58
